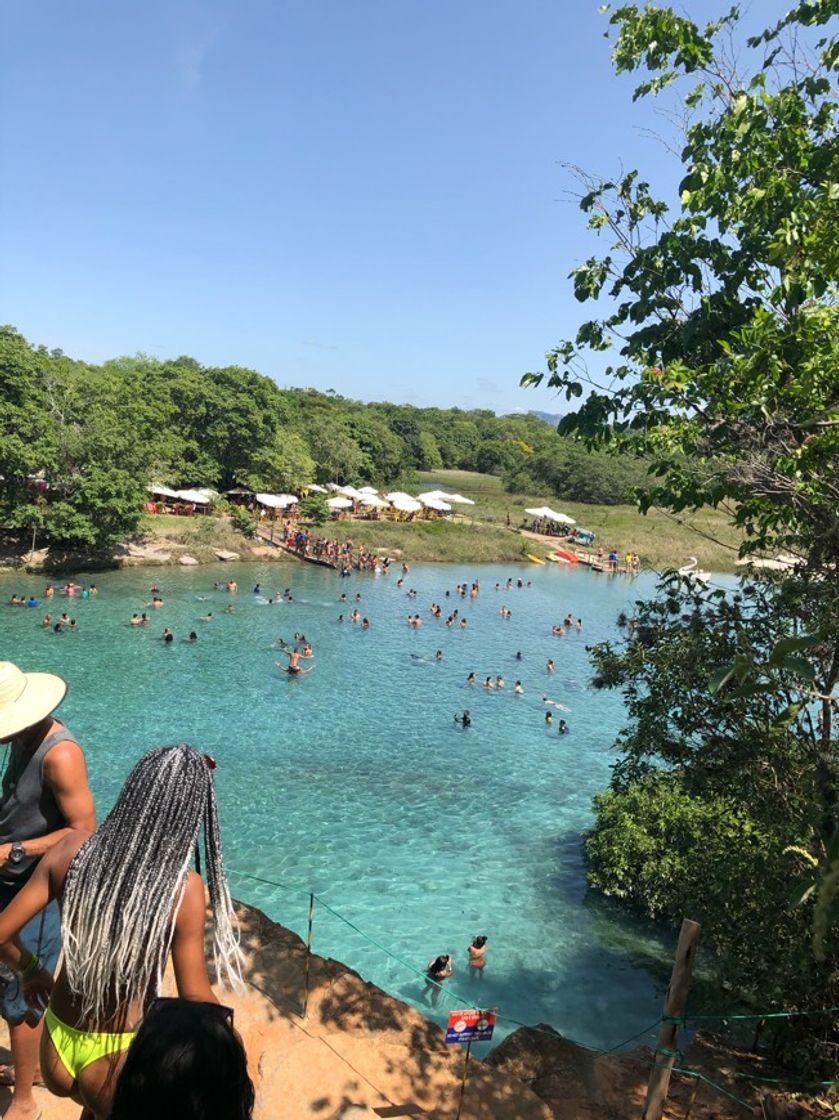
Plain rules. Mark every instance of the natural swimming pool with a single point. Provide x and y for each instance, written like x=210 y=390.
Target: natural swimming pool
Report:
x=356 y=783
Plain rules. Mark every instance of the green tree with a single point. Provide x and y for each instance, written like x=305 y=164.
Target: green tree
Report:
x=718 y=351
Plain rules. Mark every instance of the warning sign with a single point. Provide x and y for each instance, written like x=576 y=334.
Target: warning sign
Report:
x=470 y=1026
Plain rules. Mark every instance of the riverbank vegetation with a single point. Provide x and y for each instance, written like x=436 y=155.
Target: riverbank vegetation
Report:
x=80 y=443
x=725 y=320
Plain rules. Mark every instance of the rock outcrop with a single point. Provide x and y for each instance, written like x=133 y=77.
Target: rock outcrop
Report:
x=358 y=1054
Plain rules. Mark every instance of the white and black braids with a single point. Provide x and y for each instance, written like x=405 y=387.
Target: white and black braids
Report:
x=125 y=885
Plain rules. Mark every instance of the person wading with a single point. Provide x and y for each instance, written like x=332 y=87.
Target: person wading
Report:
x=45 y=794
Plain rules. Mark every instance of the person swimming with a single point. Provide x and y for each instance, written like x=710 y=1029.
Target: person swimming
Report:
x=465 y=720
x=470 y=679
x=518 y=689
x=550 y=666
x=549 y=718
x=208 y=617
x=563 y=727
x=438 y=656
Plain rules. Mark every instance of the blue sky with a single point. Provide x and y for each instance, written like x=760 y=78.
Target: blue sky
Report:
x=364 y=195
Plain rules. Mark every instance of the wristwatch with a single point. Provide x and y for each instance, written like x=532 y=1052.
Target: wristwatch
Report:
x=18 y=852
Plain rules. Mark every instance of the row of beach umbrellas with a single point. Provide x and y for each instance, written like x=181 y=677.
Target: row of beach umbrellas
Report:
x=345 y=497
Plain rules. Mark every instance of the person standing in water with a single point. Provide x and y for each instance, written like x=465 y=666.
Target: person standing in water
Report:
x=477 y=957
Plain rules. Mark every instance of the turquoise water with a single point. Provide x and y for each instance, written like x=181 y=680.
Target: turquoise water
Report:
x=354 y=781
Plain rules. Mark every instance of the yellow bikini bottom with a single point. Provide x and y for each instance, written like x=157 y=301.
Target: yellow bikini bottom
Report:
x=77 y=1049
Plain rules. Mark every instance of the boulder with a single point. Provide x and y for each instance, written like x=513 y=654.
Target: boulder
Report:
x=187 y=561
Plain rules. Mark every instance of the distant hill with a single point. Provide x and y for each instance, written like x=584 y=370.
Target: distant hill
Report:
x=548 y=417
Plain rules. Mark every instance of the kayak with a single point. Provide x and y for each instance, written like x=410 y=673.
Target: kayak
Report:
x=568 y=557
x=534 y=559
x=558 y=559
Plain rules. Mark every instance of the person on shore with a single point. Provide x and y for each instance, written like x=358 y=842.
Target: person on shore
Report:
x=437 y=971
x=45 y=795
x=477 y=957
x=186 y=1060
x=128 y=898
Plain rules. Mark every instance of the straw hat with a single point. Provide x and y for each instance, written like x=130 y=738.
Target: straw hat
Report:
x=26 y=698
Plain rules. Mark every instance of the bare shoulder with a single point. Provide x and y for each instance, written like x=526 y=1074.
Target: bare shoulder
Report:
x=64 y=755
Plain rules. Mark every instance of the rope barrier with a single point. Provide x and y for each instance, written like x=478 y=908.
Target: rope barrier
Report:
x=675 y=1020
x=683 y=1020
x=784 y=1080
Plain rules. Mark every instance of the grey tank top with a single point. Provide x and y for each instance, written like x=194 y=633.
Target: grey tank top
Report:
x=28 y=808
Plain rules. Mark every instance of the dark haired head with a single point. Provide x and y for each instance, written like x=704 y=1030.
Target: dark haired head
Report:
x=479 y=942
x=185 y=1063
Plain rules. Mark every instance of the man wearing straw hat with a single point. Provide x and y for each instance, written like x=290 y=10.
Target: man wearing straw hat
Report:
x=45 y=793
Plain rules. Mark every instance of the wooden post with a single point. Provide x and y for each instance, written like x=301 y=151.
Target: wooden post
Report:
x=308 y=955
x=675 y=1002
x=463 y=1080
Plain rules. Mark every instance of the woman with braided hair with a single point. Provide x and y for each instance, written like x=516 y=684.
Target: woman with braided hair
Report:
x=128 y=898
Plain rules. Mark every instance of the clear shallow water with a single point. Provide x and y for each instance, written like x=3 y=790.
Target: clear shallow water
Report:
x=355 y=782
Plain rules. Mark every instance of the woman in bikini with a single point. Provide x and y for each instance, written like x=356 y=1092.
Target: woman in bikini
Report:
x=128 y=898
x=477 y=957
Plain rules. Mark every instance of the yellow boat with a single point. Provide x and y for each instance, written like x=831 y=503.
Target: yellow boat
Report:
x=534 y=559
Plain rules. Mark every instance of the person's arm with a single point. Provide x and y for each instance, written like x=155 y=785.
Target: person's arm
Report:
x=65 y=773
x=188 y=957
x=29 y=901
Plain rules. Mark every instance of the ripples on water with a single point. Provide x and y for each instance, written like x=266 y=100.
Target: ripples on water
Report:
x=356 y=783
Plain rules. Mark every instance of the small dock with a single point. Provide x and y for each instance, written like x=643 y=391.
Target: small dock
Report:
x=265 y=536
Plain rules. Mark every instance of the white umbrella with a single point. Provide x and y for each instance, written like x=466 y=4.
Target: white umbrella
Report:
x=458 y=498
x=197 y=497
x=317 y=489
x=339 y=503
x=405 y=503
x=163 y=491
x=435 y=503
x=374 y=500
x=551 y=515
x=276 y=501
x=332 y=486
x=395 y=495
x=351 y=492
x=367 y=490
x=430 y=495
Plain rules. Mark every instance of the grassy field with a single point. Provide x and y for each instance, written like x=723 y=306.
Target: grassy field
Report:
x=428 y=541
x=659 y=539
